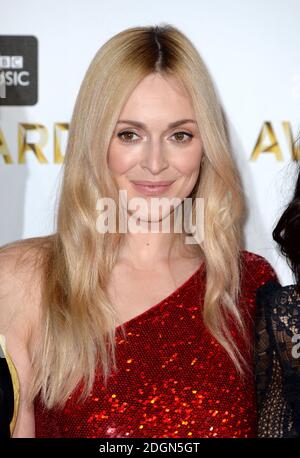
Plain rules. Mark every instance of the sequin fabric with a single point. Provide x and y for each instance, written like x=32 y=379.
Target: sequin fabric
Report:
x=173 y=378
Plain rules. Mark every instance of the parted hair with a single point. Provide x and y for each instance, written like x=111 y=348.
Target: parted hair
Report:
x=77 y=329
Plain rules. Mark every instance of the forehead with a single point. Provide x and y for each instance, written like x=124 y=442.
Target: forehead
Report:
x=163 y=96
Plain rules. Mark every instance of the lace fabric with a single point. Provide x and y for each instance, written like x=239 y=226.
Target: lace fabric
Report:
x=277 y=362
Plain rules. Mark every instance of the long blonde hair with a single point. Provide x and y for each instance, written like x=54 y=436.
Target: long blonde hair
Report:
x=78 y=325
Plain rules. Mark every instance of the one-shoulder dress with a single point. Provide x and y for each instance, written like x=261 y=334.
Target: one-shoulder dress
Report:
x=173 y=379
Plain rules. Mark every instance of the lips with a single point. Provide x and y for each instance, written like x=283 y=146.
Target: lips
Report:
x=152 y=188
x=153 y=183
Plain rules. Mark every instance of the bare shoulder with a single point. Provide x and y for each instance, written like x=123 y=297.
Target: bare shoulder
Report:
x=21 y=273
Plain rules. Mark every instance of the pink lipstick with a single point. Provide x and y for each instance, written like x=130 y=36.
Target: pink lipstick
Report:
x=151 y=188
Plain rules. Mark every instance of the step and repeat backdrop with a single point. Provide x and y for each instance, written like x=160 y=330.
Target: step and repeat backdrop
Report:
x=250 y=47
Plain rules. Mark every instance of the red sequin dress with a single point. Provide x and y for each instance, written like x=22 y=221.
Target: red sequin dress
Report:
x=173 y=379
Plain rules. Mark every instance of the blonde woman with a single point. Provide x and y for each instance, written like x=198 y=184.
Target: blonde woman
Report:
x=127 y=333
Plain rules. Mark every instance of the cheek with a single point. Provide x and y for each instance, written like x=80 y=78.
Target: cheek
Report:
x=189 y=162
x=120 y=161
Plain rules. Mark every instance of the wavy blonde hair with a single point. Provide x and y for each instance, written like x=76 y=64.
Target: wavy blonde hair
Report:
x=78 y=325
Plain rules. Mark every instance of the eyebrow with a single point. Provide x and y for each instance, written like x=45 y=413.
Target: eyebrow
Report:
x=142 y=125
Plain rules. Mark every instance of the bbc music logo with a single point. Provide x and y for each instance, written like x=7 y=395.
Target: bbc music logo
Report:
x=18 y=70
x=11 y=75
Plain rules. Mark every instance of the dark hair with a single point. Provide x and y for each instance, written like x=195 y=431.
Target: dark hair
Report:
x=287 y=233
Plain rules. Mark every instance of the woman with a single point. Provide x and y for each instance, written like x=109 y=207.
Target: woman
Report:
x=278 y=336
x=95 y=357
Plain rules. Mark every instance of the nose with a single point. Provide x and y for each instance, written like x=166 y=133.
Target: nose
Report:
x=154 y=158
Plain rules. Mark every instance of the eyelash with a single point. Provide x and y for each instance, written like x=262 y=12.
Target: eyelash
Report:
x=134 y=141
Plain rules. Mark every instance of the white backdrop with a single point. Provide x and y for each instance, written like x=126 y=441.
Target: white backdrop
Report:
x=251 y=48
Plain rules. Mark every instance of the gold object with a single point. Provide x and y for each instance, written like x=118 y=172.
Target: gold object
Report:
x=15 y=383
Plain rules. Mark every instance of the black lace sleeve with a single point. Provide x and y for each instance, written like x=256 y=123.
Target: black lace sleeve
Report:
x=278 y=360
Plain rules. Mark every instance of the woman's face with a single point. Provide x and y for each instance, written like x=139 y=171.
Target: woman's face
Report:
x=146 y=147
